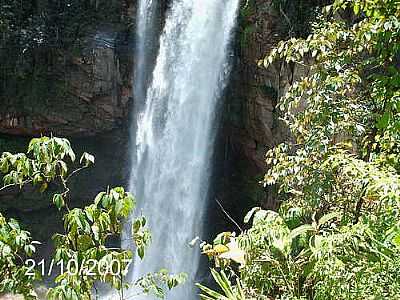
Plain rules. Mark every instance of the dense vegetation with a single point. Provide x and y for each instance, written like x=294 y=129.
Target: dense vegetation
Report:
x=83 y=253
x=337 y=232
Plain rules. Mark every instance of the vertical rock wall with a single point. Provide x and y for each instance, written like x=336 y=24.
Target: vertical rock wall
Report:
x=251 y=122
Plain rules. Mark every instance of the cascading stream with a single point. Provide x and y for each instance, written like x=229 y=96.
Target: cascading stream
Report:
x=175 y=129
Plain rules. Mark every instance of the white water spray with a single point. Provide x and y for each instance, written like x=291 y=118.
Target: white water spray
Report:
x=175 y=131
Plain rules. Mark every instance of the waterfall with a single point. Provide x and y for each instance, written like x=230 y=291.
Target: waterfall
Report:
x=175 y=128
x=144 y=44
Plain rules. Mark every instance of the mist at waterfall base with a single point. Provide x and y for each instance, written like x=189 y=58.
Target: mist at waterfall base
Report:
x=174 y=129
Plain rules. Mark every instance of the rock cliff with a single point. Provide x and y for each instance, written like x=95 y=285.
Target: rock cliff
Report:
x=91 y=91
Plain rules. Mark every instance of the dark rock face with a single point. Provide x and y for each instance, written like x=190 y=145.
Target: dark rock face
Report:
x=96 y=96
x=251 y=122
x=259 y=88
x=263 y=24
x=72 y=79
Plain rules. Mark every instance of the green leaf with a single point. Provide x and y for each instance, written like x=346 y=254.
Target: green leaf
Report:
x=140 y=252
x=328 y=217
x=136 y=225
x=301 y=230
x=99 y=197
x=106 y=201
x=261 y=215
x=63 y=168
x=87 y=159
x=58 y=200
x=356 y=8
x=250 y=214
x=396 y=241
x=43 y=187
x=383 y=122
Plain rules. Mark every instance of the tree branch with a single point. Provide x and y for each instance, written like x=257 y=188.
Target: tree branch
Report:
x=74 y=172
x=360 y=203
x=229 y=217
x=15 y=184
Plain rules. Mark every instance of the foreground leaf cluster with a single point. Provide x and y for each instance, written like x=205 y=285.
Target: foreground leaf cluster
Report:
x=49 y=164
x=337 y=232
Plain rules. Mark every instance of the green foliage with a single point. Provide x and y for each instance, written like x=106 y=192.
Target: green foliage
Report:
x=320 y=260
x=152 y=283
x=15 y=245
x=230 y=292
x=336 y=234
x=140 y=235
x=87 y=231
x=83 y=249
x=45 y=162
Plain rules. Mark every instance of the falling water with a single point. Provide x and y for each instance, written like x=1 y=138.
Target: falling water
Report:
x=175 y=130
x=144 y=43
